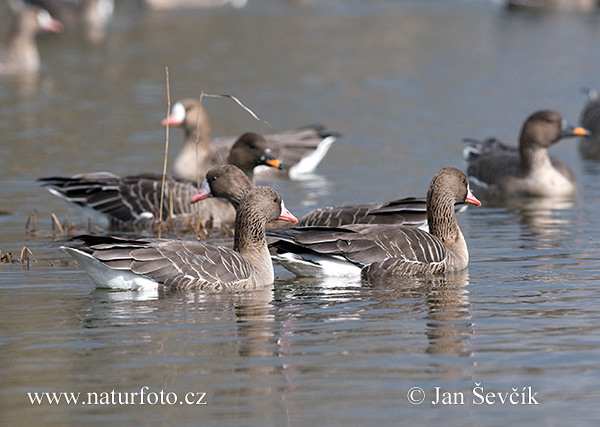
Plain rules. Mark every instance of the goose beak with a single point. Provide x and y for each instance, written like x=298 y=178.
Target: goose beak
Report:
x=270 y=160
x=176 y=117
x=287 y=215
x=203 y=193
x=171 y=121
x=568 y=130
x=579 y=131
x=472 y=199
x=274 y=163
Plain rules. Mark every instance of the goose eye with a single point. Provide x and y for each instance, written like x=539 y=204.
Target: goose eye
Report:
x=214 y=178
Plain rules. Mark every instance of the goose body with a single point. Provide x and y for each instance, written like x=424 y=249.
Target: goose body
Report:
x=300 y=150
x=229 y=183
x=375 y=251
x=589 y=146
x=134 y=201
x=141 y=264
x=20 y=54
x=497 y=170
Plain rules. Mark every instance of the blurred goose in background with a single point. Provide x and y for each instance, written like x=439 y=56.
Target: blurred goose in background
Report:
x=497 y=170
x=134 y=201
x=300 y=150
x=161 y=5
x=230 y=183
x=380 y=251
x=20 y=53
x=589 y=146
x=553 y=5
x=88 y=15
x=142 y=264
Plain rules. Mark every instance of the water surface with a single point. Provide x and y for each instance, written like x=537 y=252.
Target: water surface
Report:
x=404 y=82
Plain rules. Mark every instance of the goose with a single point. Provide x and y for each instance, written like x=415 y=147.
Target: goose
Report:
x=148 y=264
x=301 y=150
x=589 y=146
x=75 y=14
x=20 y=54
x=383 y=250
x=134 y=201
x=230 y=183
x=497 y=170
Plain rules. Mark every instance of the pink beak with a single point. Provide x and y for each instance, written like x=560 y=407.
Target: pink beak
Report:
x=287 y=215
x=472 y=199
x=171 y=121
x=203 y=193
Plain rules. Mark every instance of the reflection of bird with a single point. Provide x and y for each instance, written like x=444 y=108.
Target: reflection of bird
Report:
x=498 y=170
x=189 y=4
x=542 y=5
x=589 y=146
x=300 y=150
x=20 y=54
x=135 y=200
x=376 y=251
x=174 y=264
x=230 y=183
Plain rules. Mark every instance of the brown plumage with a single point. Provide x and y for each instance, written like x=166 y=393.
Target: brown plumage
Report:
x=173 y=264
x=20 y=54
x=229 y=183
x=134 y=201
x=497 y=170
x=300 y=150
x=384 y=250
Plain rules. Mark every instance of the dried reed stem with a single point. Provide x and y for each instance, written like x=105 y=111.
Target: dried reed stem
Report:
x=162 y=191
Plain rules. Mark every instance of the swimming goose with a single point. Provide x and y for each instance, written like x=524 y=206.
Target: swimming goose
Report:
x=134 y=201
x=300 y=150
x=589 y=146
x=375 y=251
x=75 y=14
x=497 y=170
x=229 y=183
x=139 y=264
x=20 y=54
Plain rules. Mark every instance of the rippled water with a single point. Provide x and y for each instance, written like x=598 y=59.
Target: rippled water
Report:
x=404 y=82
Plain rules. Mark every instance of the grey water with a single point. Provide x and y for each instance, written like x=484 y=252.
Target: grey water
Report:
x=404 y=82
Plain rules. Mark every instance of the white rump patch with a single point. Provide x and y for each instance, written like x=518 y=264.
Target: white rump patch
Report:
x=110 y=278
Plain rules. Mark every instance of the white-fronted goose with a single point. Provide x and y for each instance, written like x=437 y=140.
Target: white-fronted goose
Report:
x=300 y=150
x=20 y=54
x=589 y=146
x=376 y=251
x=173 y=264
x=230 y=183
x=89 y=15
x=497 y=170
x=134 y=201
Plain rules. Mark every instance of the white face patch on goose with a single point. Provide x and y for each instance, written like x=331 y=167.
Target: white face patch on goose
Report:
x=178 y=112
x=44 y=19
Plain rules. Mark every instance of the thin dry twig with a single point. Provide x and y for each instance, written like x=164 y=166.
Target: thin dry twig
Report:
x=162 y=192
x=208 y=95
x=56 y=222
x=26 y=255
